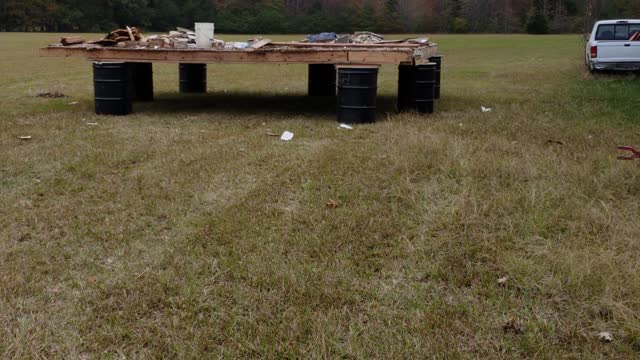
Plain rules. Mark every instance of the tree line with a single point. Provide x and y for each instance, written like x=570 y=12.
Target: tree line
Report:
x=312 y=16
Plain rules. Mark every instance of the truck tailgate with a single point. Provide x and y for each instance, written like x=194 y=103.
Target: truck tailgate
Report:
x=619 y=51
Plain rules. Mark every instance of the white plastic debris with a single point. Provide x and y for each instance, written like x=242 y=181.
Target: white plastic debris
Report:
x=204 y=35
x=74 y=103
x=237 y=45
x=345 y=126
x=605 y=336
x=25 y=137
x=486 y=110
x=287 y=136
x=92 y=124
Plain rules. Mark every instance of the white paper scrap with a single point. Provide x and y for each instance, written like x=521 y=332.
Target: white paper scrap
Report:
x=287 y=136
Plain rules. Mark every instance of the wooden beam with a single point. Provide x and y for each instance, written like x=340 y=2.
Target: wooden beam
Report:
x=338 y=45
x=357 y=55
x=378 y=57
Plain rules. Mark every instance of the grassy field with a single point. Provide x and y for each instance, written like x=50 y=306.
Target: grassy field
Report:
x=185 y=231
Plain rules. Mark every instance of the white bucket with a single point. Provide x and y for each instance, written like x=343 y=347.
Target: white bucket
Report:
x=204 y=35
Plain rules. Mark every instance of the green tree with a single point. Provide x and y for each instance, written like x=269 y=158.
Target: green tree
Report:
x=391 y=22
x=537 y=22
x=367 y=18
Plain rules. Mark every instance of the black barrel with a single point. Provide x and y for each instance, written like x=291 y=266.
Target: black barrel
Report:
x=322 y=80
x=405 y=86
x=193 y=78
x=438 y=61
x=112 y=85
x=142 y=75
x=357 y=91
x=424 y=88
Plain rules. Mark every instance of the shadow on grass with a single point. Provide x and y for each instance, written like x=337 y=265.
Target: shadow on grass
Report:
x=250 y=104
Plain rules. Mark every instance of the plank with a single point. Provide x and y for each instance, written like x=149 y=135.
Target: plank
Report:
x=338 y=45
x=373 y=56
x=260 y=44
x=131 y=37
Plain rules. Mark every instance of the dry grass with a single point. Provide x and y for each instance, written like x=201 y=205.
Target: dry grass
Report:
x=185 y=231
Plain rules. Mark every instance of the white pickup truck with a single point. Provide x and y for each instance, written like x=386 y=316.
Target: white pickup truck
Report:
x=614 y=45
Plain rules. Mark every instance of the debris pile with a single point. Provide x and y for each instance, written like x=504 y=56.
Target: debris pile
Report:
x=366 y=37
x=360 y=37
x=181 y=38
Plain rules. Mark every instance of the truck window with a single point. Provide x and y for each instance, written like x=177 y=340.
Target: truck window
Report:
x=605 y=32
x=619 y=32
x=622 y=32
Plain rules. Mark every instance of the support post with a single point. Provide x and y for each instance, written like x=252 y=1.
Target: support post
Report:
x=322 y=80
x=438 y=61
x=357 y=92
x=193 y=78
x=416 y=88
x=112 y=88
x=142 y=77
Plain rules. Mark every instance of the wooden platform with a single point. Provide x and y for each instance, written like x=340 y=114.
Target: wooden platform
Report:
x=276 y=53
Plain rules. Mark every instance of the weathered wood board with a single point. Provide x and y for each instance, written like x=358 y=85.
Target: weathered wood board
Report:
x=359 y=55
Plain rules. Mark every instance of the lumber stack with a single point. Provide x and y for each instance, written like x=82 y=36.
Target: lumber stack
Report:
x=180 y=39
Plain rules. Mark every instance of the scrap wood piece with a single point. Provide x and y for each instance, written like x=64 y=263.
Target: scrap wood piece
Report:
x=259 y=44
x=72 y=40
x=186 y=31
x=136 y=33
x=131 y=37
x=332 y=204
x=117 y=33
